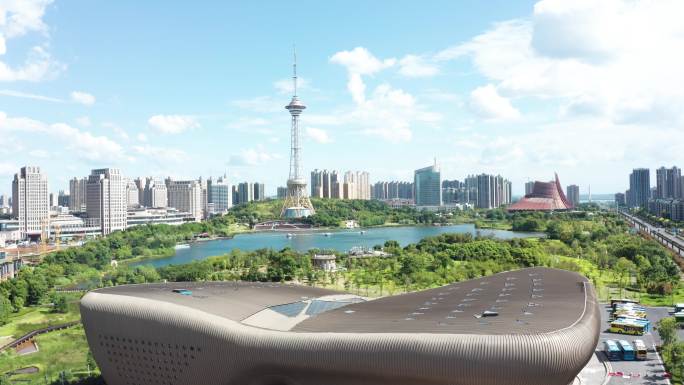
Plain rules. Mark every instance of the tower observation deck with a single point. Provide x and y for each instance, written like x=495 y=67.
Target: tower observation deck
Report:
x=297 y=203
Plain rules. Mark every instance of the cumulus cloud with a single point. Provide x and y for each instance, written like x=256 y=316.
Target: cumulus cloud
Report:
x=361 y=61
x=19 y=18
x=358 y=62
x=417 y=66
x=387 y=112
x=172 y=124
x=487 y=103
x=83 y=98
x=614 y=58
x=82 y=144
x=318 y=135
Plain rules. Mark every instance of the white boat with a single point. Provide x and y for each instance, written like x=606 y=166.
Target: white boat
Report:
x=182 y=246
x=327 y=234
x=362 y=232
x=290 y=235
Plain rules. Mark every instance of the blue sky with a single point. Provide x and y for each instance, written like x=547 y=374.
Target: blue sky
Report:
x=588 y=89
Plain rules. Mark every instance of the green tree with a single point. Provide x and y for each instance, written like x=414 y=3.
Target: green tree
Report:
x=60 y=304
x=5 y=309
x=667 y=330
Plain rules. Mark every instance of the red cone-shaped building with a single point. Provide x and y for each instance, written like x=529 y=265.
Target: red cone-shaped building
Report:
x=545 y=196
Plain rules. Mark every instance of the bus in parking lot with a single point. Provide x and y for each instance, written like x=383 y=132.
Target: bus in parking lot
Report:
x=628 y=326
x=611 y=350
x=627 y=350
x=640 y=349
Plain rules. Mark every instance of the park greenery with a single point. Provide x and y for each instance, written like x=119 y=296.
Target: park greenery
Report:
x=596 y=244
x=672 y=349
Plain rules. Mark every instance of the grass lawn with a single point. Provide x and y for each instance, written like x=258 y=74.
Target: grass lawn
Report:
x=36 y=317
x=63 y=350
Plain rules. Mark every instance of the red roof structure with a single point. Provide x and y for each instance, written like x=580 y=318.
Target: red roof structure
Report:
x=545 y=196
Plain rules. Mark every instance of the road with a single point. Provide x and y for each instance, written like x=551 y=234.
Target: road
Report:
x=662 y=235
x=649 y=372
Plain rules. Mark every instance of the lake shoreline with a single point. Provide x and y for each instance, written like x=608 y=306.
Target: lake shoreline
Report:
x=338 y=239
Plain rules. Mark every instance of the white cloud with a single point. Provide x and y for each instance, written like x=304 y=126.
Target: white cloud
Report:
x=318 y=135
x=26 y=95
x=18 y=18
x=141 y=137
x=38 y=66
x=252 y=157
x=172 y=124
x=83 y=98
x=487 y=103
x=361 y=61
x=82 y=144
x=417 y=66
x=614 y=58
x=387 y=112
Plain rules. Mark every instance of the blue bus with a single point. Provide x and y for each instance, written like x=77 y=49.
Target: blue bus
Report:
x=627 y=350
x=612 y=351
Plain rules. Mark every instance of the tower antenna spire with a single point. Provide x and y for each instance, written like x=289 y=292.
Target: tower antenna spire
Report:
x=294 y=68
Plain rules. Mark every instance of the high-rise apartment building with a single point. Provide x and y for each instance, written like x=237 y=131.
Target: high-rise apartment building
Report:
x=4 y=201
x=204 y=186
x=282 y=192
x=620 y=199
x=106 y=200
x=428 y=186
x=317 y=183
x=356 y=185
x=185 y=196
x=221 y=195
x=132 y=194
x=639 y=187
x=529 y=186
x=245 y=192
x=30 y=201
x=154 y=193
x=493 y=191
x=259 y=191
x=572 y=193
x=668 y=183
x=77 y=194
x=63 y=199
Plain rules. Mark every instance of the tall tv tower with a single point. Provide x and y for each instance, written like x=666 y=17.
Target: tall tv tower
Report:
x=297 y=203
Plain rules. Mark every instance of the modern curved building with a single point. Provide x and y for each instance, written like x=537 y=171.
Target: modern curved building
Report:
x=545 y=196
x=530 y=326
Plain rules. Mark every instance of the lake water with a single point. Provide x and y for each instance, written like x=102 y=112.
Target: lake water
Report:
x=340 y=240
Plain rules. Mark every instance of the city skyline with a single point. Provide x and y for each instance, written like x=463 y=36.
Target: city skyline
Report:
x=437 y=90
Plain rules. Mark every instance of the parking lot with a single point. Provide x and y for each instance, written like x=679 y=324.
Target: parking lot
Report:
x=650 y=371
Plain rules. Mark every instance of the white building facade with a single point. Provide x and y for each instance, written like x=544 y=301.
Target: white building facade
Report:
x=30 y=201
